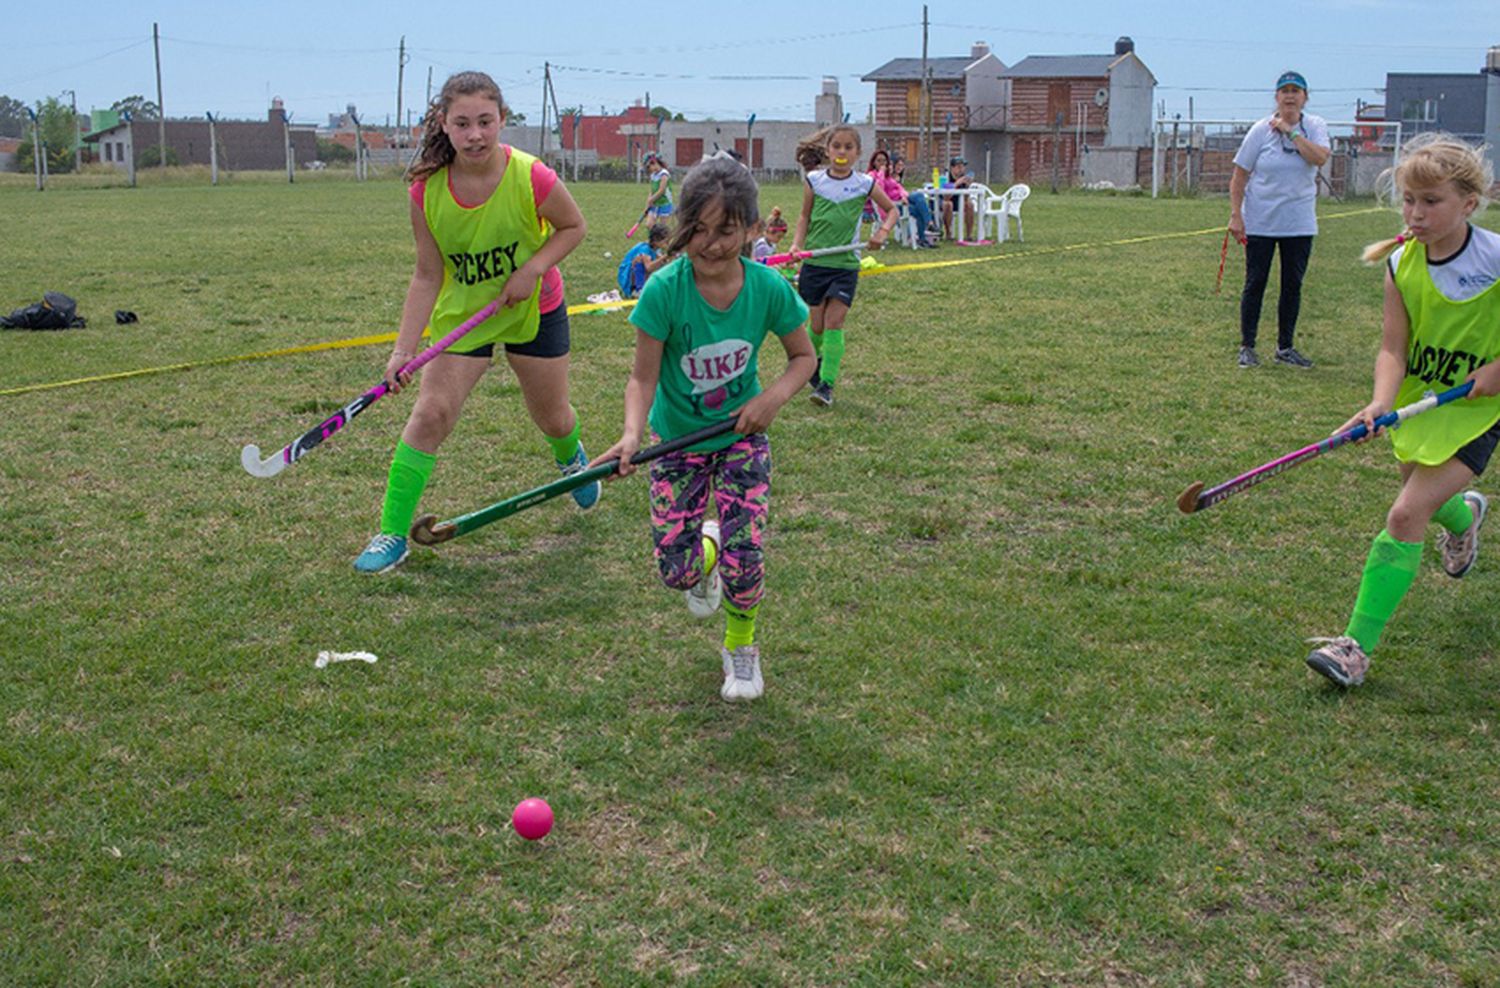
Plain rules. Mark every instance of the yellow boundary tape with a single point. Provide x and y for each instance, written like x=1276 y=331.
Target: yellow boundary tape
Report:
x=574 y=310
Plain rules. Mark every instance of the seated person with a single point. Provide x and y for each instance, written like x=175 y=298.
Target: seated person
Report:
x=958 y=177
x=641 y=260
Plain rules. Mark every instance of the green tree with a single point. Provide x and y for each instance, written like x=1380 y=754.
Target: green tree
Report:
x=58 y=125
x=14 y=121
x=334 y=153
x=139 y=108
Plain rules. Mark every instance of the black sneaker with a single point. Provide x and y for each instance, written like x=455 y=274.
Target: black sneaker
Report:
x=823 y=394
x=1248 y=357
x=1290 y=357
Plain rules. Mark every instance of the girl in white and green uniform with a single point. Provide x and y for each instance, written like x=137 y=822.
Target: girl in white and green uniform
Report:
x=832 y=203
x=1442 y=327
x=489 y=221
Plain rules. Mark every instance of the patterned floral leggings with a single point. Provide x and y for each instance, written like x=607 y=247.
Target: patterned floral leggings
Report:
x=739 y=478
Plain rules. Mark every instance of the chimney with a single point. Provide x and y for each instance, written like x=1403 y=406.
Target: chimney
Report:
x=1492 y=60
x=828 y=108
x=278 y=111
x=978 y=50
x=1123 y=45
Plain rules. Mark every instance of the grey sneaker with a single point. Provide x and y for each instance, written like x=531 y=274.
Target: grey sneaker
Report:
x=1290 y=357
x=704 y=597
x=1340 y=659
x=1460 y=551
x=823 y=394
x=1248 y=357
x=741 y=674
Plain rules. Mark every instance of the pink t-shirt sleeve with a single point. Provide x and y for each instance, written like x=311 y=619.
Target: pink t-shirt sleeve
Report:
x=417 y=190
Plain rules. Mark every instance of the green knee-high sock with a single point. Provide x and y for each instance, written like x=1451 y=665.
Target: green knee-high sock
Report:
x=1389 y=571
x=410 y=469
x=739 y=627
x=833 y=354
x=817 y=341
x=1455 y=515
x=564 y=448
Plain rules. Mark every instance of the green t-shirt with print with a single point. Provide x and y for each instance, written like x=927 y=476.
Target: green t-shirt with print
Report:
x=709 y=365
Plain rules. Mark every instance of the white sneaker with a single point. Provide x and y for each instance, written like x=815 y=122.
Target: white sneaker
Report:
x=704 y=597
x=741 y=674
x=1460 y=551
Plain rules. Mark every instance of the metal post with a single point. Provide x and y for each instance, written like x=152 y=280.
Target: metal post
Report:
x=213 y=151
x=1176 y=153
x=36 y=149
x=286 y=132
x=1056 y=148
x=73 y=102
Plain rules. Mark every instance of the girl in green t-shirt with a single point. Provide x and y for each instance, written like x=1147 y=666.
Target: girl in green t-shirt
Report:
x=700 y=323
x=1441 y=328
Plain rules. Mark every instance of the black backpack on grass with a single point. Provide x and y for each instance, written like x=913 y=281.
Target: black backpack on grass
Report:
x=54 y=311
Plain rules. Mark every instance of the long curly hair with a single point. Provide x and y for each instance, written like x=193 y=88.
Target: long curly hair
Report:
x=436 y=151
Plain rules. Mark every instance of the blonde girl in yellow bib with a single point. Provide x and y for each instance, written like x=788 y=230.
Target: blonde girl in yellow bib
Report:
x=1441 y=328
x=489 y=221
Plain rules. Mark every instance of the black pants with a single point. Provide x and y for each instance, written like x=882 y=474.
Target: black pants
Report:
x=1294 y=254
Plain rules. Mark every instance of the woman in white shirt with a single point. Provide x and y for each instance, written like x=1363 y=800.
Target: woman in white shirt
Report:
x=1273 y=197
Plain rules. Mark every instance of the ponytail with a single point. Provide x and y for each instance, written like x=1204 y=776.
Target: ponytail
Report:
x=1381 y=249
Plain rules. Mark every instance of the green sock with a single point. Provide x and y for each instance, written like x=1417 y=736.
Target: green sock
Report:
x=410 y=469
x=833 y=354
x=710 y=554
x=1455 y=515
x=817 y=340
x=739 y=627
x=564 y=448
x=1389 y=571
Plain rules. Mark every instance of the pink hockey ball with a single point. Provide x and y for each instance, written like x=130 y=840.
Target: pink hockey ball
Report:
x=532 y=818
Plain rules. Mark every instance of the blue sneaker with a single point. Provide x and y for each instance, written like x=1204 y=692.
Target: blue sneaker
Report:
x=588 y=495
x=383 y=554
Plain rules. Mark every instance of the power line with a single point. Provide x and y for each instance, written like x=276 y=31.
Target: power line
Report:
x=74 y=65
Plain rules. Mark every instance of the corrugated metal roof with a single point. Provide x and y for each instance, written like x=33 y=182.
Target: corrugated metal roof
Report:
x=898 y=69
x=1060 y=66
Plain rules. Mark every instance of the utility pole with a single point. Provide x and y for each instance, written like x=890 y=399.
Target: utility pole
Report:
x=161 y=109
x=37 y=151
x=286 y=131
x=546 y=85
x=359 y=148
x=400 y=82
x=1056 y=148
x=73 y=102
x=213 y=150
x=924 y=103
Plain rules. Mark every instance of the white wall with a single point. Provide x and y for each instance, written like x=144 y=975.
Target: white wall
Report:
x=983 y=85
x=780 y=137
x=1131 y=92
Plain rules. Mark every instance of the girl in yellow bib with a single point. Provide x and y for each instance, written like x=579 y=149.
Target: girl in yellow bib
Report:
x=489 y=221
x=1441 y=328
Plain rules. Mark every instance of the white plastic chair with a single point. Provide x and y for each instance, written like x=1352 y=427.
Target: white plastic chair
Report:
x=905 y=231
x=1003 y=208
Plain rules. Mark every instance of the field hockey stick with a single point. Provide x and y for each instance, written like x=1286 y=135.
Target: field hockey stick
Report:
x=298 y=448
x=1195 y=498
x=776 y=260
x=426 y=532
x=1223 y=253
x=637 y=224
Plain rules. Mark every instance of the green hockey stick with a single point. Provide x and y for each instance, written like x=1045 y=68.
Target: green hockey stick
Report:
x=427 y=533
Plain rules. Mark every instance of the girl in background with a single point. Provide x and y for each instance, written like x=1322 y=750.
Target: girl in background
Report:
x=832 y=201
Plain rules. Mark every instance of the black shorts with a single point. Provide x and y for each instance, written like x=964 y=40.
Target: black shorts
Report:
x=817 y=284
x=551 y=339
x=1476 y=455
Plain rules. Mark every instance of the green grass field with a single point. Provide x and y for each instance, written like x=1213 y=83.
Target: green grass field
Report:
x=1024 y=722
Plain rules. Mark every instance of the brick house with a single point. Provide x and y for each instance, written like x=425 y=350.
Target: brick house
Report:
x=627 y=135
x=1080 y=103
x=1003 y=120
x=969 y=94
x=244 y=145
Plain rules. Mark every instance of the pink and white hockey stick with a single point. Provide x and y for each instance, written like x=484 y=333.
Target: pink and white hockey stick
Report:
x=1195 y=498
x=776 y=260
x=297 y=448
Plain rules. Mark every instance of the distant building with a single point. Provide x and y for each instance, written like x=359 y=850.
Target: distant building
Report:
x=627 y=135
x=244 y=145
x=1005 y=121
x=1464 y=104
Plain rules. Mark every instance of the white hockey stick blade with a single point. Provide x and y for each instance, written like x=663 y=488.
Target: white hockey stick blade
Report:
x=256 y=467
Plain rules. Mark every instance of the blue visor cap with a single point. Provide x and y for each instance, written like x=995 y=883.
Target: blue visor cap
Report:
x=1292 y=79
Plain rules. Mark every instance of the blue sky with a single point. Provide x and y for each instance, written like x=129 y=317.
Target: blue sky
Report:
x=705 y=60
